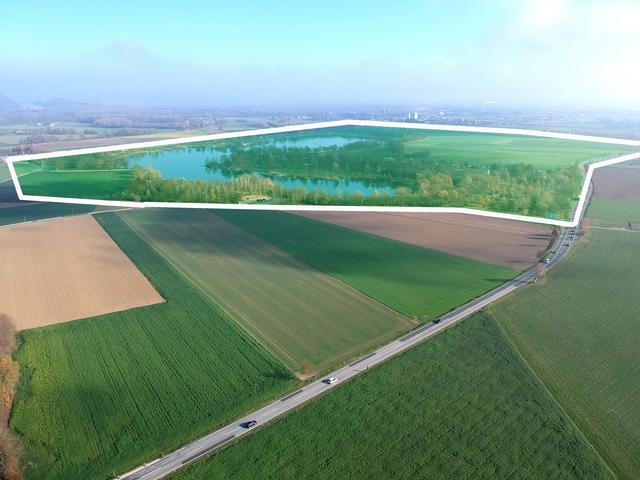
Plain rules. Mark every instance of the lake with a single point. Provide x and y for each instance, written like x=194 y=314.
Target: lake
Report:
x=191 y=163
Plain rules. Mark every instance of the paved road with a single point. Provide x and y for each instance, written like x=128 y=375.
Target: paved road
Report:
x=168 y=464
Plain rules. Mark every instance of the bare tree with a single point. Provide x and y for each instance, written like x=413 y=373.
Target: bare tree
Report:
x=541 y=272
x=7 y=334
x=9 y=376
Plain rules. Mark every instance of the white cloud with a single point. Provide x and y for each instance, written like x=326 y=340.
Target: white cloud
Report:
x=543 y=14
x=560 y=50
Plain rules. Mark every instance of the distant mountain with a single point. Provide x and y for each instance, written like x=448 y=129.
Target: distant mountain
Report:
x=57 y=102
x=7 y=104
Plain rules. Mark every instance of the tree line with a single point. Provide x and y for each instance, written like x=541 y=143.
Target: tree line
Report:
x=497 y=190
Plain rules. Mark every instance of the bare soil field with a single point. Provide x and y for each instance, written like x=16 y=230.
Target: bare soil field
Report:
x=66 y=269
x=617 y=183
x=492 y=240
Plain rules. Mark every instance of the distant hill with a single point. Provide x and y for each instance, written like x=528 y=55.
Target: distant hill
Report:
x=58 y=102
x=7 y=104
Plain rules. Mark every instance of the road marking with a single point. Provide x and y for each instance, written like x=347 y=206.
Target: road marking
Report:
x=207 y=449
x=288 y=397
x=415 y=332
x=362 y=359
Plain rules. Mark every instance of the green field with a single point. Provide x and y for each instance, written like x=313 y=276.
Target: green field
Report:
x=85 y=184
x=4 y=171
x=487 y=149
x=418 y=282
x=30 y=212
x=613 y=213
x=342 y=166
x=100 y=396
x=580 y=332
x=307 y=318
x=461 y=406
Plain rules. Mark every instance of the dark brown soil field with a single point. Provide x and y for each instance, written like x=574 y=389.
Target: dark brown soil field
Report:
x=492 y=240
x=617 y=183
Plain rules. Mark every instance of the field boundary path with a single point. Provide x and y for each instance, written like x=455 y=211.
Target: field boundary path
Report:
x=579 y=210
x=170 y=463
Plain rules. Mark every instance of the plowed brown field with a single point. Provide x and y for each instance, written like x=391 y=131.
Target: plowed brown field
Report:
x=617 y=183
x=492 y=240
x=66 y=269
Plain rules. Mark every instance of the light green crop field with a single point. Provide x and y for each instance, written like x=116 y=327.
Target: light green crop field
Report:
x=418 y=282
x=308 y=319
x=613 y=213
x=488 y=148
x=461 y=406
x=100 y=396
x=580 y=332
x=83 y=184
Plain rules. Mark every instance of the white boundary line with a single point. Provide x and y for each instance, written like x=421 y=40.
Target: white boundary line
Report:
x=339 y=123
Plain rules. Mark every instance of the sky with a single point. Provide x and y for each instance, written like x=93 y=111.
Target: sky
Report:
x=285 y=52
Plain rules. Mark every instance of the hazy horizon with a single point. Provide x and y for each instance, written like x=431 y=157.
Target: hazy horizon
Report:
x=509 y=52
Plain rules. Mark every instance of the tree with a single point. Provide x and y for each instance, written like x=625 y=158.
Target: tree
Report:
x=541 y=272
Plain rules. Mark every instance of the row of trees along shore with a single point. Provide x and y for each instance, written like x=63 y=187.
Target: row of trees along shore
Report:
x=528 y=192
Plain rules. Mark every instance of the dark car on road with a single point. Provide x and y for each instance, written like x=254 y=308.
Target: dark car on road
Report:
x=250 y=424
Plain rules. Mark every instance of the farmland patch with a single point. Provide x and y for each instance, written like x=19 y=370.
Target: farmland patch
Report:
x=491 y=240
x=66 y=269
x=579 y=331
x=616 y=200
x=4 y=172
x=22 y=212
x=416 y=281
x=617 y=183
x=101 y=396
x=461 y=406
x=307 y=318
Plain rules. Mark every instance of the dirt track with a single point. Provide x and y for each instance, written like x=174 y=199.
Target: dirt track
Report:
x=66 y=269
x=491 y=240
x=617 y=183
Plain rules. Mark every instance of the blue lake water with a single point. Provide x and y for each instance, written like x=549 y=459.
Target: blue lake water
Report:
x=190 y=164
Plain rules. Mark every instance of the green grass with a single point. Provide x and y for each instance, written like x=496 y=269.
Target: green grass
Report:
x=100 y=396
x=416 y=281
x=462 y=405
x=580 y=332
x=307 y=318
x=480 y=149
x=30 y=212
x=81 y=184
x=613 y=213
